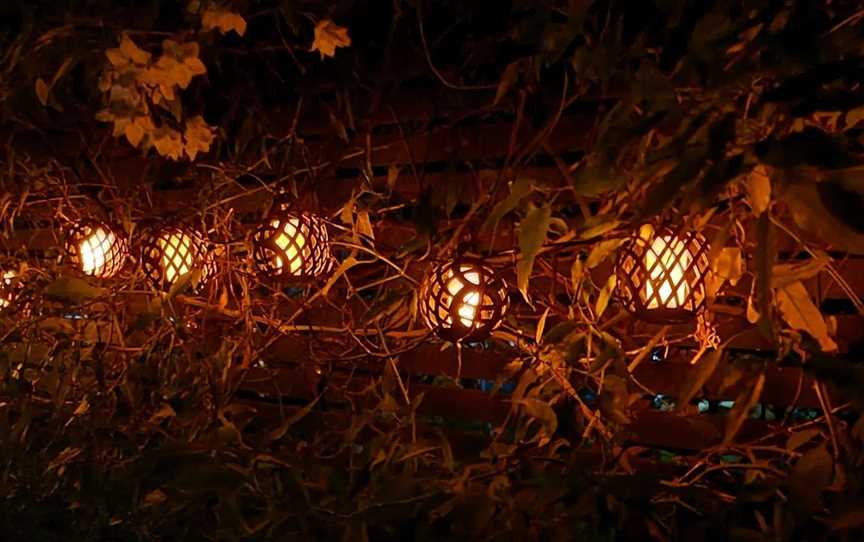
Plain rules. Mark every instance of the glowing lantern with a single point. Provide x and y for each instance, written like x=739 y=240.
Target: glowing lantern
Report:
x=463 y=300
x=292 y=246
x=172 y=253
x=662 y=275
x=95 y=249
x=7 y=288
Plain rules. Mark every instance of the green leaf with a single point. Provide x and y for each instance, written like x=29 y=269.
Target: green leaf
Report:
x=72 y=290
x=697 y=376
x=810 y=476
x=801 y=313
x=532 y=235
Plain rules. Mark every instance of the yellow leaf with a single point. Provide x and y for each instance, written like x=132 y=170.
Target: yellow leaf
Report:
x=132 y=52
x=604 y=296
x=117 y=58
x=364 y=225
x=601 y=251
x=134 y=133
x=727 y=267
x=576 y=273
x=198 y=137
x=223 y=20
x=346 y=264
x=784 y=274
x=167 y=142
x=801 y=313
x=759 y=189
x=42 y=92
x=195 y=66
x=329 y=36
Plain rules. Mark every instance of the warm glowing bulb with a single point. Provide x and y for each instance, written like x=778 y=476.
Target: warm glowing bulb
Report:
x=667 y=261
x=94 y=251
x=467 y=310
x=175 y=248
x=291 y=250
x=7 y=281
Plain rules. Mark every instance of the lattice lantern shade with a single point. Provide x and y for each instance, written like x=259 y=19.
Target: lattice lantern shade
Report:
x=292 y=246
x=173 y=252
x=661 y=275
x=463 y=300
x=96 y=249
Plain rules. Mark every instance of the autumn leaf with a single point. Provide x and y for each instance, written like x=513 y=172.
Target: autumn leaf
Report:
x=601 y=251
x=329 y=36
x=604 y=296
x=532 y=235
x=801 y=313
x=727 y=267
x=223 y=20
x=198 y=137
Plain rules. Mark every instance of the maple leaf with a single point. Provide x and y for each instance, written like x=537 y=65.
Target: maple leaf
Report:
x=329 y=36
x=198 y=137
x=168 y=143
x=224 y=20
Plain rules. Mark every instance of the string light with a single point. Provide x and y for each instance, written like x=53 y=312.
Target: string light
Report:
x=172 y=253
x=7 y=292
x=661 y=275
x=294 y=246
x=463 y=300
x=95 y=249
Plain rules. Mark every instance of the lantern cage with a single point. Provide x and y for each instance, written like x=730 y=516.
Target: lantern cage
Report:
x=169 y=253
x=96 y=249
x=463 y=299
x=293 y=246
x=661 y=274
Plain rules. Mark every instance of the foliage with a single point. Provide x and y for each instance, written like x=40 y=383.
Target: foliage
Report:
x=254 y=411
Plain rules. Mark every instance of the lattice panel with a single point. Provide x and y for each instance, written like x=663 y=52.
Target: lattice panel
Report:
x=463 y=300
x=174 y=252
x=662 y=274
x=292 y=246
x=96 y=249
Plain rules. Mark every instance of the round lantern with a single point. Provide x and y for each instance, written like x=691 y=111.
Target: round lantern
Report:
x=292 y=246
x=661 y=275
x=8 y=288
x=96 y=249
x=463 y=300
x=173 y=252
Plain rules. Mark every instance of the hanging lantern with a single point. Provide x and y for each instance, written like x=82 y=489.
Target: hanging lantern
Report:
x=292 y=246
x=661 y=275
x=463 y=300
x=173 y=252
x=95 y=249
x=8 y=290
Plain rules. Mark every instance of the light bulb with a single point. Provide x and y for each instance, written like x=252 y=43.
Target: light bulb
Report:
x=6 y=299
x=94 y=249
x=290 y=250
x=175 y=248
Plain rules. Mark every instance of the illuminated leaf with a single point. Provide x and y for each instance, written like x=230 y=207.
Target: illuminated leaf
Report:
x=542 y=412
x=604 y=296
x=344 y=266
x=42 y=91
x=134 y=133
x=785 y=274
x=168 y=142
x=329 y=36
x=801 y=313
x=134 y=53
x=198 y=137
x=155 y=497
x=223 y=20
x=759 y=189
x=728 y=266
x=601 y=251
x=532 y=235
